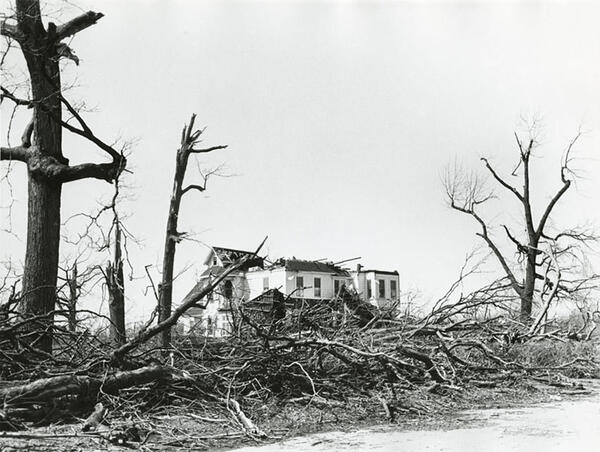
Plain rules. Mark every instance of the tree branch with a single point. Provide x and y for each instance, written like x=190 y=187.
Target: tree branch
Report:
x=18 y=101
x=18 y=153
x=200 y=188
x=501 y=181
x=11 y=31
x=204 y=151
x=540 y=229
x=77 y=24
x=520 y=247
x=101 y=171
x=52 y=168
x=484 y=235
x=26 y=137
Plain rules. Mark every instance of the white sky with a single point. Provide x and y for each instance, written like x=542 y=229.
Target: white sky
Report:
x=339 y=116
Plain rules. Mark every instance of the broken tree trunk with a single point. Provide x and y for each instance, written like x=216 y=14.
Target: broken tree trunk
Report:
x=52 y=388
x=173 y=236
x=116 y=292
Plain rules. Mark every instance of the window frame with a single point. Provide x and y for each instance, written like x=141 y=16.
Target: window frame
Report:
x=317 y=287
x=381 y=288
x=300 y=286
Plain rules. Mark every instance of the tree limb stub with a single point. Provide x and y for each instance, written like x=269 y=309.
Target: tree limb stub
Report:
x=18 y=153
x=77 y=24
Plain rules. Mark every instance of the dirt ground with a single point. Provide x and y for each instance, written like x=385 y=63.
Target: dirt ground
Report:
x=196 y=429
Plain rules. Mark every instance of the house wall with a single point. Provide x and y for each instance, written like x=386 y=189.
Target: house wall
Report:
x=255 y=281
x=327 y=284
x=248 y=285
x=215 y=319
x=285 y=281
x=361 y=279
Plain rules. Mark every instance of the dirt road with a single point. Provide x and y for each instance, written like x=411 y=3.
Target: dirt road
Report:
x=564 y=425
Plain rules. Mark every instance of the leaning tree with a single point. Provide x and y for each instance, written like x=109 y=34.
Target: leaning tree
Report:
x=41 y=149
x=545 y=264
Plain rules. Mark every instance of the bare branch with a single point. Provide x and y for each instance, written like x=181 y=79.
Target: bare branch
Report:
x=18 y=101
x=26 y=137
x=200 y=188
x=10 y=31
x=18 y=153
x=77 y=24
x=210 y=149
x=502 y=181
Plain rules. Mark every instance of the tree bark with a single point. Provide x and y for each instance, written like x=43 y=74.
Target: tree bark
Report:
x=48 y=389
x=173 y=236
x=47 y=167
x=116 y=293
x=171 y=239
x=43 y=225
x=73 y=297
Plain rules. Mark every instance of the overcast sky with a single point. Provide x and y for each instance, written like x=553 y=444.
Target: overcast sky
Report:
x=340 y=118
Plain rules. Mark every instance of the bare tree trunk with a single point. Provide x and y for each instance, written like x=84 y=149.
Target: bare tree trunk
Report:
x=116 y=293
x=72 y=302
x=528 y=288
x=173 y=236
x=41 y=150
x=43 y=226
x=466 y=193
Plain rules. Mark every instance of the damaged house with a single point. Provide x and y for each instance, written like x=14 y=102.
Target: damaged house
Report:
x=293 y=279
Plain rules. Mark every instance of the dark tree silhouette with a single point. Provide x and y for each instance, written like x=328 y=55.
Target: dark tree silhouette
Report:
x=42 y=151
x=542 y=253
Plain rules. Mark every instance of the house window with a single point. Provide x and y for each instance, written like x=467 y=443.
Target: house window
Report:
x=228 y=290
x=265 y=283
x=317 y=287
x=381 y=283
x=369 y=290
x=215 y=260
x=300 y=286
x=393 y=289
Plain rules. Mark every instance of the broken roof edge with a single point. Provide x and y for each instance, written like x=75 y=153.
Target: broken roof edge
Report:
x=302 y=265
x=381 y=272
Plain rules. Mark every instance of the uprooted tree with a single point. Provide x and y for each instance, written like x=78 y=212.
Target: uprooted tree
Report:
x=41 y=150
x=548 y=261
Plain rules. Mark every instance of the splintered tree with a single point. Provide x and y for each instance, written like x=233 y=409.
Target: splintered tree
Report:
x=189 y=141
x=76 y=280
x=42 y=151
x=548 y=259
x=115 y=284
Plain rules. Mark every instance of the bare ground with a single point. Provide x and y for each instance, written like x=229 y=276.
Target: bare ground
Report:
x=185 y=429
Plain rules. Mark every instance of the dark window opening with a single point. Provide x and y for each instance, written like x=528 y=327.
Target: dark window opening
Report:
x=300 y=286
x=381 y=283
x=228 y=290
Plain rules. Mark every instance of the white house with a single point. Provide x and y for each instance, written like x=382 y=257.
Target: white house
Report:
x=379 y=287
x=299 y=279
x=296 y=279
